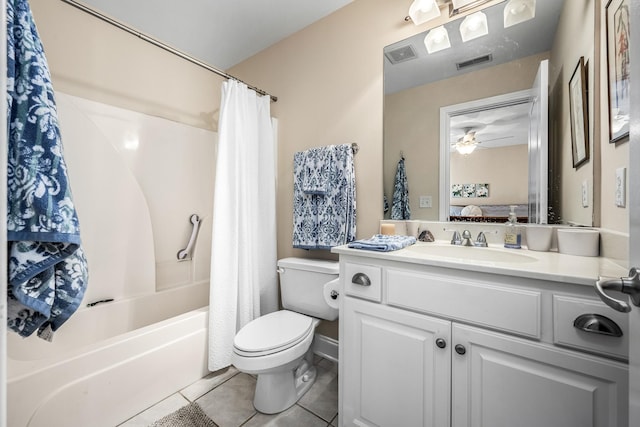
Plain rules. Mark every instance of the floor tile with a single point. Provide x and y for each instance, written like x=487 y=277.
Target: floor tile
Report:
x=322 y=397
x=157 y=411
x=292 y=417
x=208 y=383
x=230 y=404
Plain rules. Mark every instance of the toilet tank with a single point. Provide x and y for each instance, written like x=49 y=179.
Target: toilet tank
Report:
x=301 y=285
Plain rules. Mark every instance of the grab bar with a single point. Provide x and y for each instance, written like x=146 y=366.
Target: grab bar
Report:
x=184 y=253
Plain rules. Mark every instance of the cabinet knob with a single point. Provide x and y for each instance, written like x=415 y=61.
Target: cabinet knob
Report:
x=460 y=349
x=361 y=279
x=441 y=343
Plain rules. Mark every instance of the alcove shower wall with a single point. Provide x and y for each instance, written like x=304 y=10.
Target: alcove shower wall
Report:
x=136 y=181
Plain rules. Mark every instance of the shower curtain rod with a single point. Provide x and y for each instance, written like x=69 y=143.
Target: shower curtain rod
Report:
x=160 y=44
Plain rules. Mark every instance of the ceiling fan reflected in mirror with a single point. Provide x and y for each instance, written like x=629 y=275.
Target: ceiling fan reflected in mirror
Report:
x=467 y=143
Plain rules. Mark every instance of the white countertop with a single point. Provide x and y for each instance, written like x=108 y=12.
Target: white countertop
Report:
x=550 y=266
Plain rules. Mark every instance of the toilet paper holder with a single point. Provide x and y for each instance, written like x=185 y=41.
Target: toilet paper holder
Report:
x=334 y=294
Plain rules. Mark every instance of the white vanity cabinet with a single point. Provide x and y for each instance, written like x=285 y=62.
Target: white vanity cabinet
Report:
x=422 y=345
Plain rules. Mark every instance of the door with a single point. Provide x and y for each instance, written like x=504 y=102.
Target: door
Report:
x=633 y=182
x=398 y=373
x=503 y=381
x=538 y=143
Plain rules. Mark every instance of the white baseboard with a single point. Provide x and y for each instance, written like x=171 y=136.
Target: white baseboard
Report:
x=325 y=347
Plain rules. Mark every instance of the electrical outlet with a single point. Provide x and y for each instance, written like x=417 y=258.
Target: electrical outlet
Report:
x=585 y=194
x=425 y=201
x=621 y=187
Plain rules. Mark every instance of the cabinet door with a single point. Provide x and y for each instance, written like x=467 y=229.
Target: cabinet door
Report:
x=502 y=381
x=393 y=373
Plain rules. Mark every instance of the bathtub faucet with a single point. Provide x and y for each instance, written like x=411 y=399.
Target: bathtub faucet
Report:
x=91 y=304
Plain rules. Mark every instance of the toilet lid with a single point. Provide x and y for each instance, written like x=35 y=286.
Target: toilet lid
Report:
x=273 y=331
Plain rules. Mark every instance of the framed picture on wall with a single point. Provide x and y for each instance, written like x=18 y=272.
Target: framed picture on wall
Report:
x=618 y=68
x=482 y=190
x=578 y=115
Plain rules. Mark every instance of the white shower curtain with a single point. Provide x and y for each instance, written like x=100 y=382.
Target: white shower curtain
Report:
x=243 y=252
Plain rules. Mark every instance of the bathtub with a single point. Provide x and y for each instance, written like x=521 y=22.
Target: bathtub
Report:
x=110 y=361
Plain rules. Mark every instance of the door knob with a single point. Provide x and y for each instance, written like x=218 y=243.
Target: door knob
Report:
x=627 y=285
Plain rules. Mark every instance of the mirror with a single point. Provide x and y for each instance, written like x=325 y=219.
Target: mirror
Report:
x=487 y=153
x=419 y=86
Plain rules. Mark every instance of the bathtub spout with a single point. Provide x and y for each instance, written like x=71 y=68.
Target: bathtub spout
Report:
x=91 y=304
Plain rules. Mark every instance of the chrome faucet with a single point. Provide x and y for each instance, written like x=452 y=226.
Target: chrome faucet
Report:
x=481 y=240
x=461 y=240
x=466 y=238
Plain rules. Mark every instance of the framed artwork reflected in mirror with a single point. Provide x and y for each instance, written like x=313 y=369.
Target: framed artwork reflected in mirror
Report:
x=579 y=118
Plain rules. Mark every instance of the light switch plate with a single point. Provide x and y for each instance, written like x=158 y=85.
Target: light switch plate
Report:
x=585 y=194
x=621 y=187
x=425 y=201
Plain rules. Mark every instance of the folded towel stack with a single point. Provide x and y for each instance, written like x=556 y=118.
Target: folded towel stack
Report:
x=383 y=243
x=324 y=197
x=316 y=172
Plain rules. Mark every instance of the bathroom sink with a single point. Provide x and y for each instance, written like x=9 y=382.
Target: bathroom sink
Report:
x=471 y=253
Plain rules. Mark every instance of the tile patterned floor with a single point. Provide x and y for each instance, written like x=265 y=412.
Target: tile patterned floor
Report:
x=226 y=397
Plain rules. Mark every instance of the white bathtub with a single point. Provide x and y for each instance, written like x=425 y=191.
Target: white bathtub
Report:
x=110 y=361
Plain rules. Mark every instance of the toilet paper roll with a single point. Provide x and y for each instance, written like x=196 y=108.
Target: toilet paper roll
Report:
x=331 y=293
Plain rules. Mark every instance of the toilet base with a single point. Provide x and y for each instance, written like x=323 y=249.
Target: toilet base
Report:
x=277 y=391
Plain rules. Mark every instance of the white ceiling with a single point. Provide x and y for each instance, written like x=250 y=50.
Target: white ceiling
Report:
x=221 y=33
x=494 y=127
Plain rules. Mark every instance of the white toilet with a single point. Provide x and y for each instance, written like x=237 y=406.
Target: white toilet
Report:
x=277 y=346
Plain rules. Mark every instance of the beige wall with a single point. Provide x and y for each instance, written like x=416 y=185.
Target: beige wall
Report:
x=612 y=156
x=503 y=168
x=329 y=82
x=574 y=38
x=94 y=60
x=412 y=124
x=328 y=78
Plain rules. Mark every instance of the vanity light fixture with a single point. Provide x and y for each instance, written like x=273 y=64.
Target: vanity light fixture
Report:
x=474 y=26
x=517 y=11
x=422 y=11
x=459 y=6
x=437 y=39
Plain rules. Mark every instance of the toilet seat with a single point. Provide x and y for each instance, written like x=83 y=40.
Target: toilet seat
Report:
x=273 y=333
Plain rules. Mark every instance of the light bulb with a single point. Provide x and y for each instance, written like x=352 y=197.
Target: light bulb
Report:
x=425 y=6
x=474 y=23
x=517 y=8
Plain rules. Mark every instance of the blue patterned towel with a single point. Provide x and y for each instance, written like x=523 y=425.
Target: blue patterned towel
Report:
x=325 y=221
x=317 y=169
x=400 y=206
x=46 y=266
x=383 y=243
